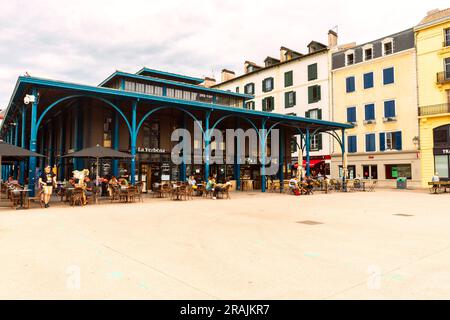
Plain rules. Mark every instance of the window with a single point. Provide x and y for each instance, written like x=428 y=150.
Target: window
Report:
x=394 y=171
x=388 y=76
x=249 y=88
x=250 y=105
x=391 y=141
x=447 y=68
x=388 y=47
x=268 y=104
x=316 y=142
x=352 y=144
x=312 y=72
x=389 y=109
x=237 y=89
x=151 y=135
x=350 y=58
x=441 y=137
x=350 y=84
x=447 y=37
x=314 y=114
x=370 y=172
x=369 y=112
x=442 y=166
x=107 y=132
x=370 y=142
x=267 y=85
x=351 y=114
x=368 y=54
x=289 y=99
x=314 y=94
x=293 y=145
x=288 y=79
x=368 y=80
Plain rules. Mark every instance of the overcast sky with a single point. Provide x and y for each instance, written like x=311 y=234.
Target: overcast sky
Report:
x=85 y=41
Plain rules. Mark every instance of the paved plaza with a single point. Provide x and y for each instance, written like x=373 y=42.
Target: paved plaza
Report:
x=384 y=245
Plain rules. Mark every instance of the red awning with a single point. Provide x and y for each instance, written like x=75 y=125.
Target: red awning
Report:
x=313 y=162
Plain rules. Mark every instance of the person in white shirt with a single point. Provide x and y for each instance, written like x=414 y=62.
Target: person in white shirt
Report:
x=435 y=178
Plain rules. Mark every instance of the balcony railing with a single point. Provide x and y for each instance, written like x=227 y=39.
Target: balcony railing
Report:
x=443 y=77
x=434 y=109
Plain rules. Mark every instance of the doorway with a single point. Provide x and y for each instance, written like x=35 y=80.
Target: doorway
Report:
x=146 y=177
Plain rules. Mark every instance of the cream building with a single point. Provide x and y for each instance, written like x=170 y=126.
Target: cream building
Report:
x=375 y=88
x=293 y=84
x=433 y=67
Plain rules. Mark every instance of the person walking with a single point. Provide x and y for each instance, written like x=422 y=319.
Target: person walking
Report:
x=47 y=180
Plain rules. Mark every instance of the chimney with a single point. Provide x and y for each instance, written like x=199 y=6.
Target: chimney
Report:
x=283 y=54
x=332 y=39
x=227 y=75
x=209 y=82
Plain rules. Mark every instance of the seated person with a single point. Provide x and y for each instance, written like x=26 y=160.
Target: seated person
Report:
x=192 y=182
x=435 y=179
x=219 y=188
x=210 y=184
x=123 y=182
x=113 y=182
x=88 y=189
x=293 y=185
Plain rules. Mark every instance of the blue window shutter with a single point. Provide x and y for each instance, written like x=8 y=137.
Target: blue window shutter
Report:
x=382 y=141
x=370 y=142
x=389 y=109
x=398 y=140
x=369 y=112
x=350 y=83
x=368 y=80
x=351 y=114
x=355 y=145
x=388 y=76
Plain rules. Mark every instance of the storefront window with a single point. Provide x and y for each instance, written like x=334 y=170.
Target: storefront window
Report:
x=394 y=171
x=442 y=166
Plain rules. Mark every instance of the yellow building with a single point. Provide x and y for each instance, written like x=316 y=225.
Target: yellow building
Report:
x=433 y=69
x=375 y=88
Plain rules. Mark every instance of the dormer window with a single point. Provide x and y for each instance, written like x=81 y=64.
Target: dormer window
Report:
x=368 y=52
x=388 y=46
x=350 y=58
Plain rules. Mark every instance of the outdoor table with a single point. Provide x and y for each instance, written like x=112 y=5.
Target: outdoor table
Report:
x=22 y=194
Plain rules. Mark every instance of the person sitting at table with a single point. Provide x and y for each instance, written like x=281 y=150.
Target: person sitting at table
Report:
x=113 y=182
x=88 y=189
x=293 y=185
x=210 y=184
x=123 y=182
x=435 y=179
x=192 y=182
x=11 y=180
x=219 y=188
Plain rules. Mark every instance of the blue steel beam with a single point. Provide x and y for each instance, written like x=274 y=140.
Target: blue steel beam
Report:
x=308 y=147
x=33 y=147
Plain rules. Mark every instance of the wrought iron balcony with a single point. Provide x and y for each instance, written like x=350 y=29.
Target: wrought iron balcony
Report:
x=443 y=77
x=434 y=109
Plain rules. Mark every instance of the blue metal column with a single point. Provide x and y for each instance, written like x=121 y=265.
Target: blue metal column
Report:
x=263 y=155
x=16 y=143
x=23 y=127
x=133 y=142
x=281 y=160
x=308 y=147
x=115 y=164
x=237 y=161
x=183 y=164
x=207 y=145
x=62 y=149
x=78 y=164
x=344 y=165
x=33 y=147
x=51 y=145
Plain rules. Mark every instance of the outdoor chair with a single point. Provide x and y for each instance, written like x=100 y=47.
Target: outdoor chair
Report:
x=371 y=187
x=166 y=190
x=225 y=193
x=77 y=197
x=138 y=194
x=14 y=198
x=200 y=190
x=114 y=193
x=132 y=194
